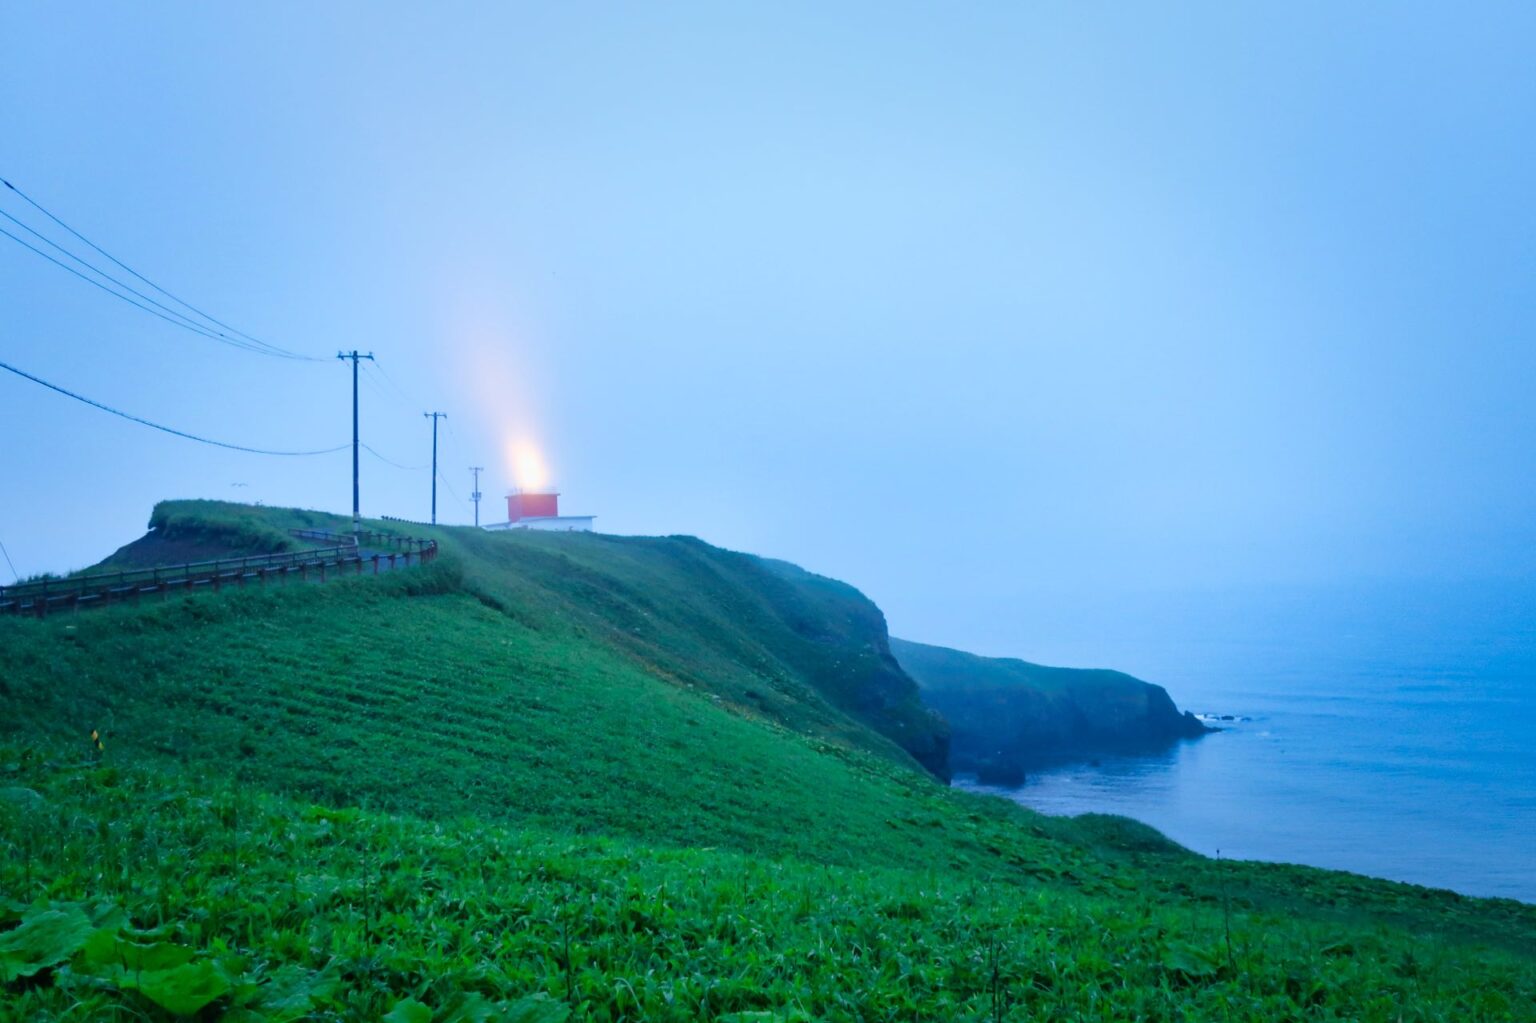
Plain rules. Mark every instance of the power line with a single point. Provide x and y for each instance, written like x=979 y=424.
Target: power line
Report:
x=387 y=378
x=170 y=315
x=376 y=369
x=91 y=280
x=456 y=495
x=267 y=347
x=391 y=461
x=157 y=426
x=374 y=385
x=383 y=374
x=15 y=574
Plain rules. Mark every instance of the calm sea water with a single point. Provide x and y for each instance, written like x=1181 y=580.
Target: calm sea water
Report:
x=1386 y=731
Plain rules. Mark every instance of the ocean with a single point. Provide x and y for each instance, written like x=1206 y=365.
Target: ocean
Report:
x=1386 y=730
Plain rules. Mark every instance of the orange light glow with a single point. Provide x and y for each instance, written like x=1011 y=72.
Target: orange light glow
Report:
x=526 y=465
x=497 y=358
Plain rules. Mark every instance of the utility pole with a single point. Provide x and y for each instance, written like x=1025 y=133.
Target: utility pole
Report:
x=474 y=495
x=357 y=519
x=434 y=416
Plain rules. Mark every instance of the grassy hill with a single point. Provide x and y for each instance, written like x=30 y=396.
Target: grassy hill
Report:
x=189 y=531
x=556 y=776
x=1008 y=715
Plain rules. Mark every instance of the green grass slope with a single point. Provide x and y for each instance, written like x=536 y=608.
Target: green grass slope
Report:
x=660 y=688
x=402 y=693
x=612 y=779
x=136 y=896
x=765 y=637
x=186 y=531
x=773 y=640
x=1008 y=715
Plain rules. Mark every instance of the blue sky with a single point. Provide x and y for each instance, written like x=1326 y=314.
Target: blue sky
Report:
x=991 y=310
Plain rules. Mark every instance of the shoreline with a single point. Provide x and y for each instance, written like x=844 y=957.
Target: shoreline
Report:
x=1220 y=798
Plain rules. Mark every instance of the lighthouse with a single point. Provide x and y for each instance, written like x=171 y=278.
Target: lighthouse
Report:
x=540 y=509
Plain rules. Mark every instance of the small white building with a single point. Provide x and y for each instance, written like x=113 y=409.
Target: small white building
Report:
x=529 y=509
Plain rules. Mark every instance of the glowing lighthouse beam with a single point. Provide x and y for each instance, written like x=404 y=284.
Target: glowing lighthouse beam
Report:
x=526 y=463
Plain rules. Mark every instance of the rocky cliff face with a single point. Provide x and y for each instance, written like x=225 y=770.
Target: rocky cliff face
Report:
x=1007 y=716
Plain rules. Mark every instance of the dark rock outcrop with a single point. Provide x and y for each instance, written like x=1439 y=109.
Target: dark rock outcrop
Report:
x=1008 y=716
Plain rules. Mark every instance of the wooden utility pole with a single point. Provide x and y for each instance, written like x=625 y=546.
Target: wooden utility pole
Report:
x=434 y=416
x=474 y=495
x=357 y=519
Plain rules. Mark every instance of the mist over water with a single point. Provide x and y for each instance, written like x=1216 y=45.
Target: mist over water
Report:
x=1388 y=730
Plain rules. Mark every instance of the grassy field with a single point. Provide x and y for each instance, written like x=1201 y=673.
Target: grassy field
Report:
x=555 y=777
x=142 y=897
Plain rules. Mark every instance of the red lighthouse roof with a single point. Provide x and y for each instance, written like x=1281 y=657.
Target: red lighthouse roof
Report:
x=532 y=504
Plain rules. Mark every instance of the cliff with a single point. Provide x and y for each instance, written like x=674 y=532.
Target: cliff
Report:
x=1007 y=715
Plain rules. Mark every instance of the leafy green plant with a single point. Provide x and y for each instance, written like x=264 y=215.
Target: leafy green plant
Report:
x=476 y=921
x=45 y=938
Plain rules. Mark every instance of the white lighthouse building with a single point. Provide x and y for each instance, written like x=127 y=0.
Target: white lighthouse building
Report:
x=540 y=509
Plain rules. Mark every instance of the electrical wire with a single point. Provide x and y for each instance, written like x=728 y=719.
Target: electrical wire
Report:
x=391 y=461
x=448 y=422
x=374 y=368
x=91 y=280
x=375 y=387
x=168 y=314
x=381 y=376
x=15 y=574
x=382 y=372
x=251 y=343
x=164 y=429
x=444 y=481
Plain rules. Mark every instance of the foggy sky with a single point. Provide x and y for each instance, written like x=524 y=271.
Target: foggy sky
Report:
x=990 y=310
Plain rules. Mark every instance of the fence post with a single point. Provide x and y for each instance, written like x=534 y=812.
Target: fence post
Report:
x=375 y=564
x=322 y=571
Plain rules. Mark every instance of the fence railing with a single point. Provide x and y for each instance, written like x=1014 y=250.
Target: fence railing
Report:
x=314 y=564
x=365 y=538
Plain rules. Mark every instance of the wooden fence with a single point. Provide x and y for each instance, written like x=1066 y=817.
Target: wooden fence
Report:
x=355 y=555
x=366 y=538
